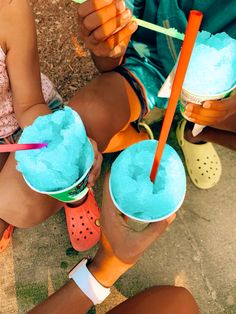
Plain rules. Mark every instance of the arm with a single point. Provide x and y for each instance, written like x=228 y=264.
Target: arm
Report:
x=106 y=29
x=120 y=248
x=23 y=64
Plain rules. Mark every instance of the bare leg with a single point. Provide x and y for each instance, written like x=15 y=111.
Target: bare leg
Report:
x=223 y=134
x=159 y=300
x=104 y=106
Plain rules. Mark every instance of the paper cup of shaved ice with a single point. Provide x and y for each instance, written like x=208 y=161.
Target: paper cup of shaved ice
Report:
x=62 y=168
x=211 y=73
x=132 y=191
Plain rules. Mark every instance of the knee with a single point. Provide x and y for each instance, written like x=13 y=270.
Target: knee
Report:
x=185 y=302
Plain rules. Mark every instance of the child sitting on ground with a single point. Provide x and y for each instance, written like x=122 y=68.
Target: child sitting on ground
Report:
x=134 y=63
x=21 y=102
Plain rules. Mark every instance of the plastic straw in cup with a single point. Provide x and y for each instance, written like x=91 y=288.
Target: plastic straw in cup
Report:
x=193 y=26
x=8 y=148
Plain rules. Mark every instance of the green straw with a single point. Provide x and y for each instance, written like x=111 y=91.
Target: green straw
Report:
x=172 y=32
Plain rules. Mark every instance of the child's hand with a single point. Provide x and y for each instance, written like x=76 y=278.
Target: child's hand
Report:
x=120 y=246
x=212 y=111
x=126 y=244
x=96 y=169
x=106 y=27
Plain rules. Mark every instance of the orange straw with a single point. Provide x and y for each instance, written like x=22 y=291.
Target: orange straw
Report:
x=193 y=26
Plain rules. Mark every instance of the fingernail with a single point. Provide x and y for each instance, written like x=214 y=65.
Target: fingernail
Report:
x=207 y=105
x=189 y=107
x=120 y=6
x=171 y=219
x=126 y=14
x=133 y=26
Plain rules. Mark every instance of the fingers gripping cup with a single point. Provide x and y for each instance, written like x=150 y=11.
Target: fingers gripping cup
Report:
x=61 y=169
x=211 y=74
x=135 y=195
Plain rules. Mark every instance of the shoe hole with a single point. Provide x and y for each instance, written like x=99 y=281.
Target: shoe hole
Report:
x=214 y=174
x=82 y=224
x=199 y=167
x=87 y=228
x=72 y=218
x=211 y=162
x=211 y=168
x=209 y=178
x=73 y=226
x=202 y=174
x=207 y=157
x=198 y=159
x=81 y=217
x=91 y=218
x=207 y=171
x=216 y=168
x=88 y=212
x=81 y=232
x=78 y=239
x=91 y=232
x=204 y=163
x=85 y=238
x=72 y=233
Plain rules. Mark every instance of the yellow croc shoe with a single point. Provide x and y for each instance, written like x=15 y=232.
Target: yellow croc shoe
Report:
x=202 y=161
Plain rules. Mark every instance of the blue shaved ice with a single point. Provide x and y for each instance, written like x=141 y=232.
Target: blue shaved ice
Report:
x=212 y=68
x=68 y=155
x=132 y=189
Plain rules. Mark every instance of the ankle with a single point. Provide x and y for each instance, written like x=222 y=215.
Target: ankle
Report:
x=188 y=136
x=78 y=203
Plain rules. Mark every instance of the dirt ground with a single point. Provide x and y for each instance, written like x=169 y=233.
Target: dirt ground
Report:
x=197 y=252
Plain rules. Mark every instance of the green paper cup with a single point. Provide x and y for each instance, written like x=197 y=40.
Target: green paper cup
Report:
x=73 y=193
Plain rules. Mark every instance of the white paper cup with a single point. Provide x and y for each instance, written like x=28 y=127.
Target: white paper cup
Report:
x=189 y=97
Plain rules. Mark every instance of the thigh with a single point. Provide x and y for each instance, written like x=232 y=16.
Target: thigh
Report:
x=20 y=205
x=159 y=300
x=106 y=106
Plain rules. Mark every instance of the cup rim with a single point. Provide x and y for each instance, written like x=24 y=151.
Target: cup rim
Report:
x=60 y=191
x=138 y=219
x=220 y=95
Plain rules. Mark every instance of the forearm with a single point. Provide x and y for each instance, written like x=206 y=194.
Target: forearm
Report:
x=106 y=64
x=27 y=116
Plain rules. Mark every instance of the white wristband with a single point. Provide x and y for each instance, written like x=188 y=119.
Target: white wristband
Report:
x=88 y=284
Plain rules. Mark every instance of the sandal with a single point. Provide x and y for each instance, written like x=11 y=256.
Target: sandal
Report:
x=6 y=238
x=202 y=161
x=83 y=223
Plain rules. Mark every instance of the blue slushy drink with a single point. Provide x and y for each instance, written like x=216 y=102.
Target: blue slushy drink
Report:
x=132 y=190
x=68 y=157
